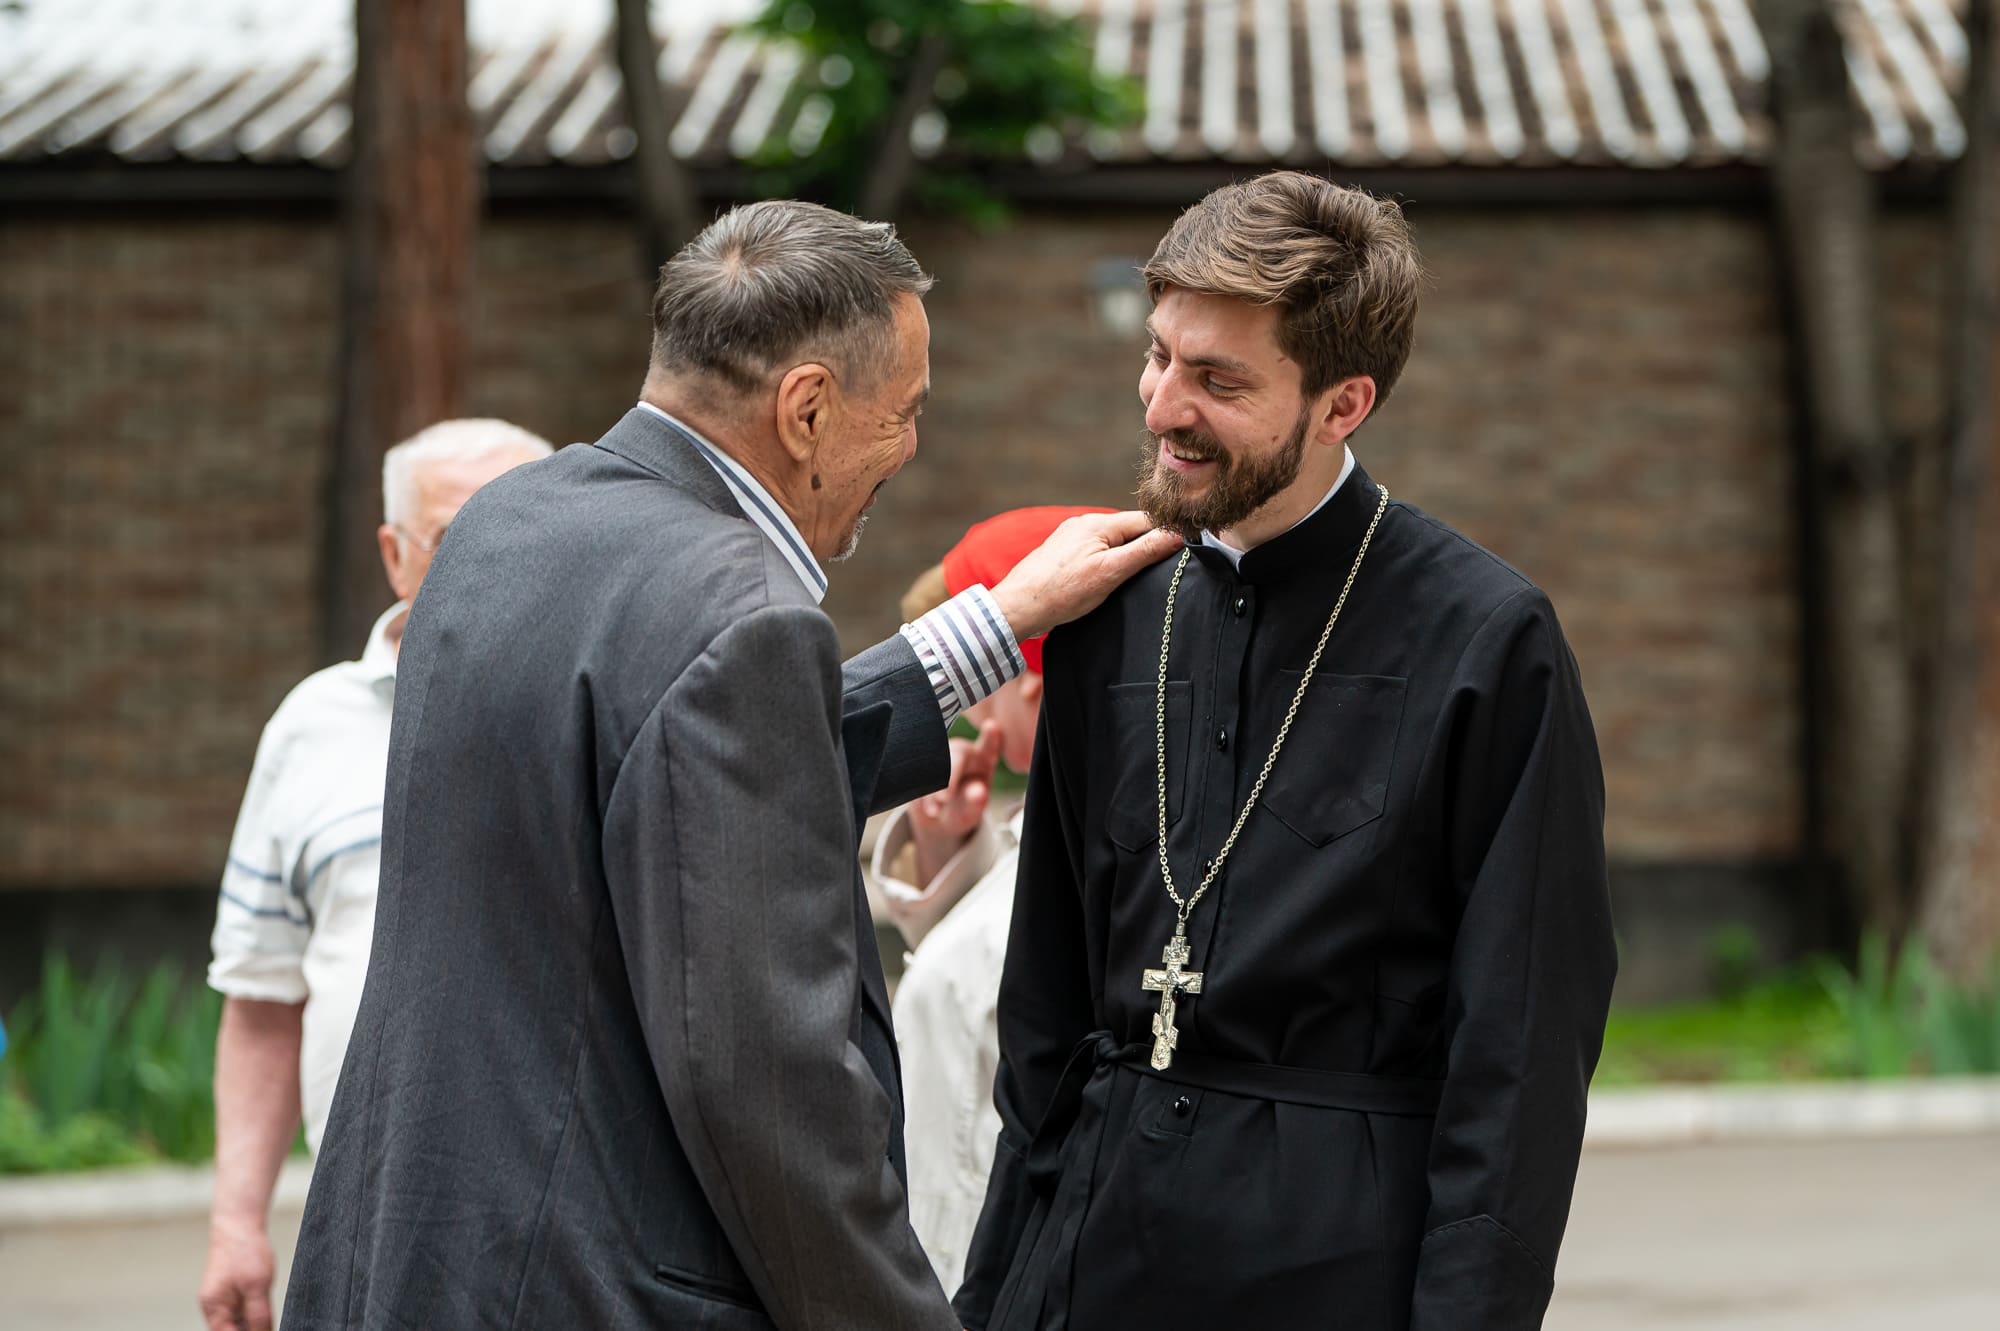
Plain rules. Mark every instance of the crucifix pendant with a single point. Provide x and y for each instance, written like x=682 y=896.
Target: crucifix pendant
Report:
x=1170 y=983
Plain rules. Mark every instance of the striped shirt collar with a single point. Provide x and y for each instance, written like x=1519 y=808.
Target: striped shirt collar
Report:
x=756 y=503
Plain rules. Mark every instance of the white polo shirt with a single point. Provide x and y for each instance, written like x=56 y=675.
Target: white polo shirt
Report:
x=297 y=908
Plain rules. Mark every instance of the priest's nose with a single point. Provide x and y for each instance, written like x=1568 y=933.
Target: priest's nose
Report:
x=1167 y=406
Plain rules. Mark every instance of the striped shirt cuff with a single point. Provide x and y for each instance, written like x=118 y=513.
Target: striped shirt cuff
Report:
x=966 y=648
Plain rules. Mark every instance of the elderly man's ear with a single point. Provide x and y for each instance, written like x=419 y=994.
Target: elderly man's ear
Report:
x=807 y=396
x=396 y=562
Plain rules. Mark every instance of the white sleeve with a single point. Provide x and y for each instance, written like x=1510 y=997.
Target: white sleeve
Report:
x=262 y=919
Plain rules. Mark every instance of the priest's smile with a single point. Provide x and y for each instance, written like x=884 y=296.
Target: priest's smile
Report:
x=1187 y=463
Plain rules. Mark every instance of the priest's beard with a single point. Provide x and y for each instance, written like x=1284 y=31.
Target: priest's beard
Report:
x=1240 y=487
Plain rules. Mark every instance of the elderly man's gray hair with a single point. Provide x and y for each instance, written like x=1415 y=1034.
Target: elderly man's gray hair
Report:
x=465 y=440
x=769 y=285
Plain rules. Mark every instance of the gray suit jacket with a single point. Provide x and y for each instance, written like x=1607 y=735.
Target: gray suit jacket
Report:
x=624 y=1055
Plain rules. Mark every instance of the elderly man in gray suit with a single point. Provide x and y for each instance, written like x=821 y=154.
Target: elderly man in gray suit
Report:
x=624 y=1056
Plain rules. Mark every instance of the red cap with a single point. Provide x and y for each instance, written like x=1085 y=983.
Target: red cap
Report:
x=990 y=549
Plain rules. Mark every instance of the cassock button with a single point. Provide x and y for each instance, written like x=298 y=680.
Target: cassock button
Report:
x=1222 y=739
x=1182 y=1107
x=1242 y=604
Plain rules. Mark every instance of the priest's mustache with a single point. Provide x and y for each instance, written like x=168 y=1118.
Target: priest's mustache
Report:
x=1203 y=447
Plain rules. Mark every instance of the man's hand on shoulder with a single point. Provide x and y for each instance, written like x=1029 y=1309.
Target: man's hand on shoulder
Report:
x=1083 y=561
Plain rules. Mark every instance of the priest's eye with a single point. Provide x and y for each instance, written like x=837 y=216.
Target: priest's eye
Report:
x=1155 y=356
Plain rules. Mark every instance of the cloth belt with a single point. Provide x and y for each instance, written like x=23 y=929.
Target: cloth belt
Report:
x=1072 y=1132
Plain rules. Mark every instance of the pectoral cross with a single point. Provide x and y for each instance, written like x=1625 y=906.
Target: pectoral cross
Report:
x=1170 y=983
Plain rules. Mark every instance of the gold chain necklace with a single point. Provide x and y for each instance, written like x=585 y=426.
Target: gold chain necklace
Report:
x=1173 y=979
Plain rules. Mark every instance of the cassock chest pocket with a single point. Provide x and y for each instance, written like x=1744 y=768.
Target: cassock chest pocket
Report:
x=1333 y=776
x=1131 y=738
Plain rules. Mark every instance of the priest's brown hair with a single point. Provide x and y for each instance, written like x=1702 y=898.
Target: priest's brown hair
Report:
x=1340 y=261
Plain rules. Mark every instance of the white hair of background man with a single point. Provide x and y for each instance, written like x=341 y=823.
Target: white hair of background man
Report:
x=448 y=441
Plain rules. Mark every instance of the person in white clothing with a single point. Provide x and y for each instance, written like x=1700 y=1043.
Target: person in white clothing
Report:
x=945 y=865
x=296 y=912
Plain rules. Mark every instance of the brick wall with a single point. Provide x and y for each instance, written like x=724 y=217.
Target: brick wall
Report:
x=162 y=416
x=1598 y=396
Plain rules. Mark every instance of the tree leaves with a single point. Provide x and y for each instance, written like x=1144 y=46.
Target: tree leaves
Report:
x=1014 y=83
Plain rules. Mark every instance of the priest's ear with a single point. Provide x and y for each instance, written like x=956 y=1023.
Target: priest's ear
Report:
x=807 y=398
x=1341 y=409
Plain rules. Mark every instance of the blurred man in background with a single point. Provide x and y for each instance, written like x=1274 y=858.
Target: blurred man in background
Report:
x=945 y=864
x=297 y=907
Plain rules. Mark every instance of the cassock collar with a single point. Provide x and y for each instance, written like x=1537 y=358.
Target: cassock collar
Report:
x=1313 y=547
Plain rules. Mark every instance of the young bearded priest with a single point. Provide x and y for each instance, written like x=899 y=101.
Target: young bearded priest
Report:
x=1310 y=952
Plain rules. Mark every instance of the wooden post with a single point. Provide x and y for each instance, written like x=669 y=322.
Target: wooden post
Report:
x=895 y=162
x=1961 y=816
x=668 y=213
x=411 y=228
x=1826 y=212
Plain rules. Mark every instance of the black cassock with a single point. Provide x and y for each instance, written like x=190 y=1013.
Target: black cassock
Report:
x=1374 y=1111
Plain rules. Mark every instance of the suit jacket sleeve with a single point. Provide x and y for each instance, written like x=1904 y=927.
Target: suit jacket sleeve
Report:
x=914 y=759
x=1529 y=980
x=730 y=853
x=1045 y=990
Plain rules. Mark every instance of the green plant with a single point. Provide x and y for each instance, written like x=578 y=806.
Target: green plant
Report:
x=139 y=1059
x=1960 y=1024
x=87 y=1141
x=1903 y=1014
x=1876 y=1002
x=1735 y=956
x=1006 y=80
x=1780 y=1028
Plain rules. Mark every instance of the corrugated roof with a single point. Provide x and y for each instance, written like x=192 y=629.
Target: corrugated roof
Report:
x=1415 y=83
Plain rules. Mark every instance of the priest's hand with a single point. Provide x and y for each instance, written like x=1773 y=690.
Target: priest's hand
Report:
x=1083 y=561
x=943 y=822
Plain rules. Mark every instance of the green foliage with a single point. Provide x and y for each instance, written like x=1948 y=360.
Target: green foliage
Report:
x=88 y=1141
x=1016 y=81
x=1735 y=958
x=1962 y=1026
x=1902 y=1015
x=103 y=1070
x=1875 y=1001
x=1889 y=1016
x=1778 y=1029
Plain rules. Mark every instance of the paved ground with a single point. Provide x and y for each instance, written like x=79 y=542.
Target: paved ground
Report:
x=1831 y=1236
x=113 y=1277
